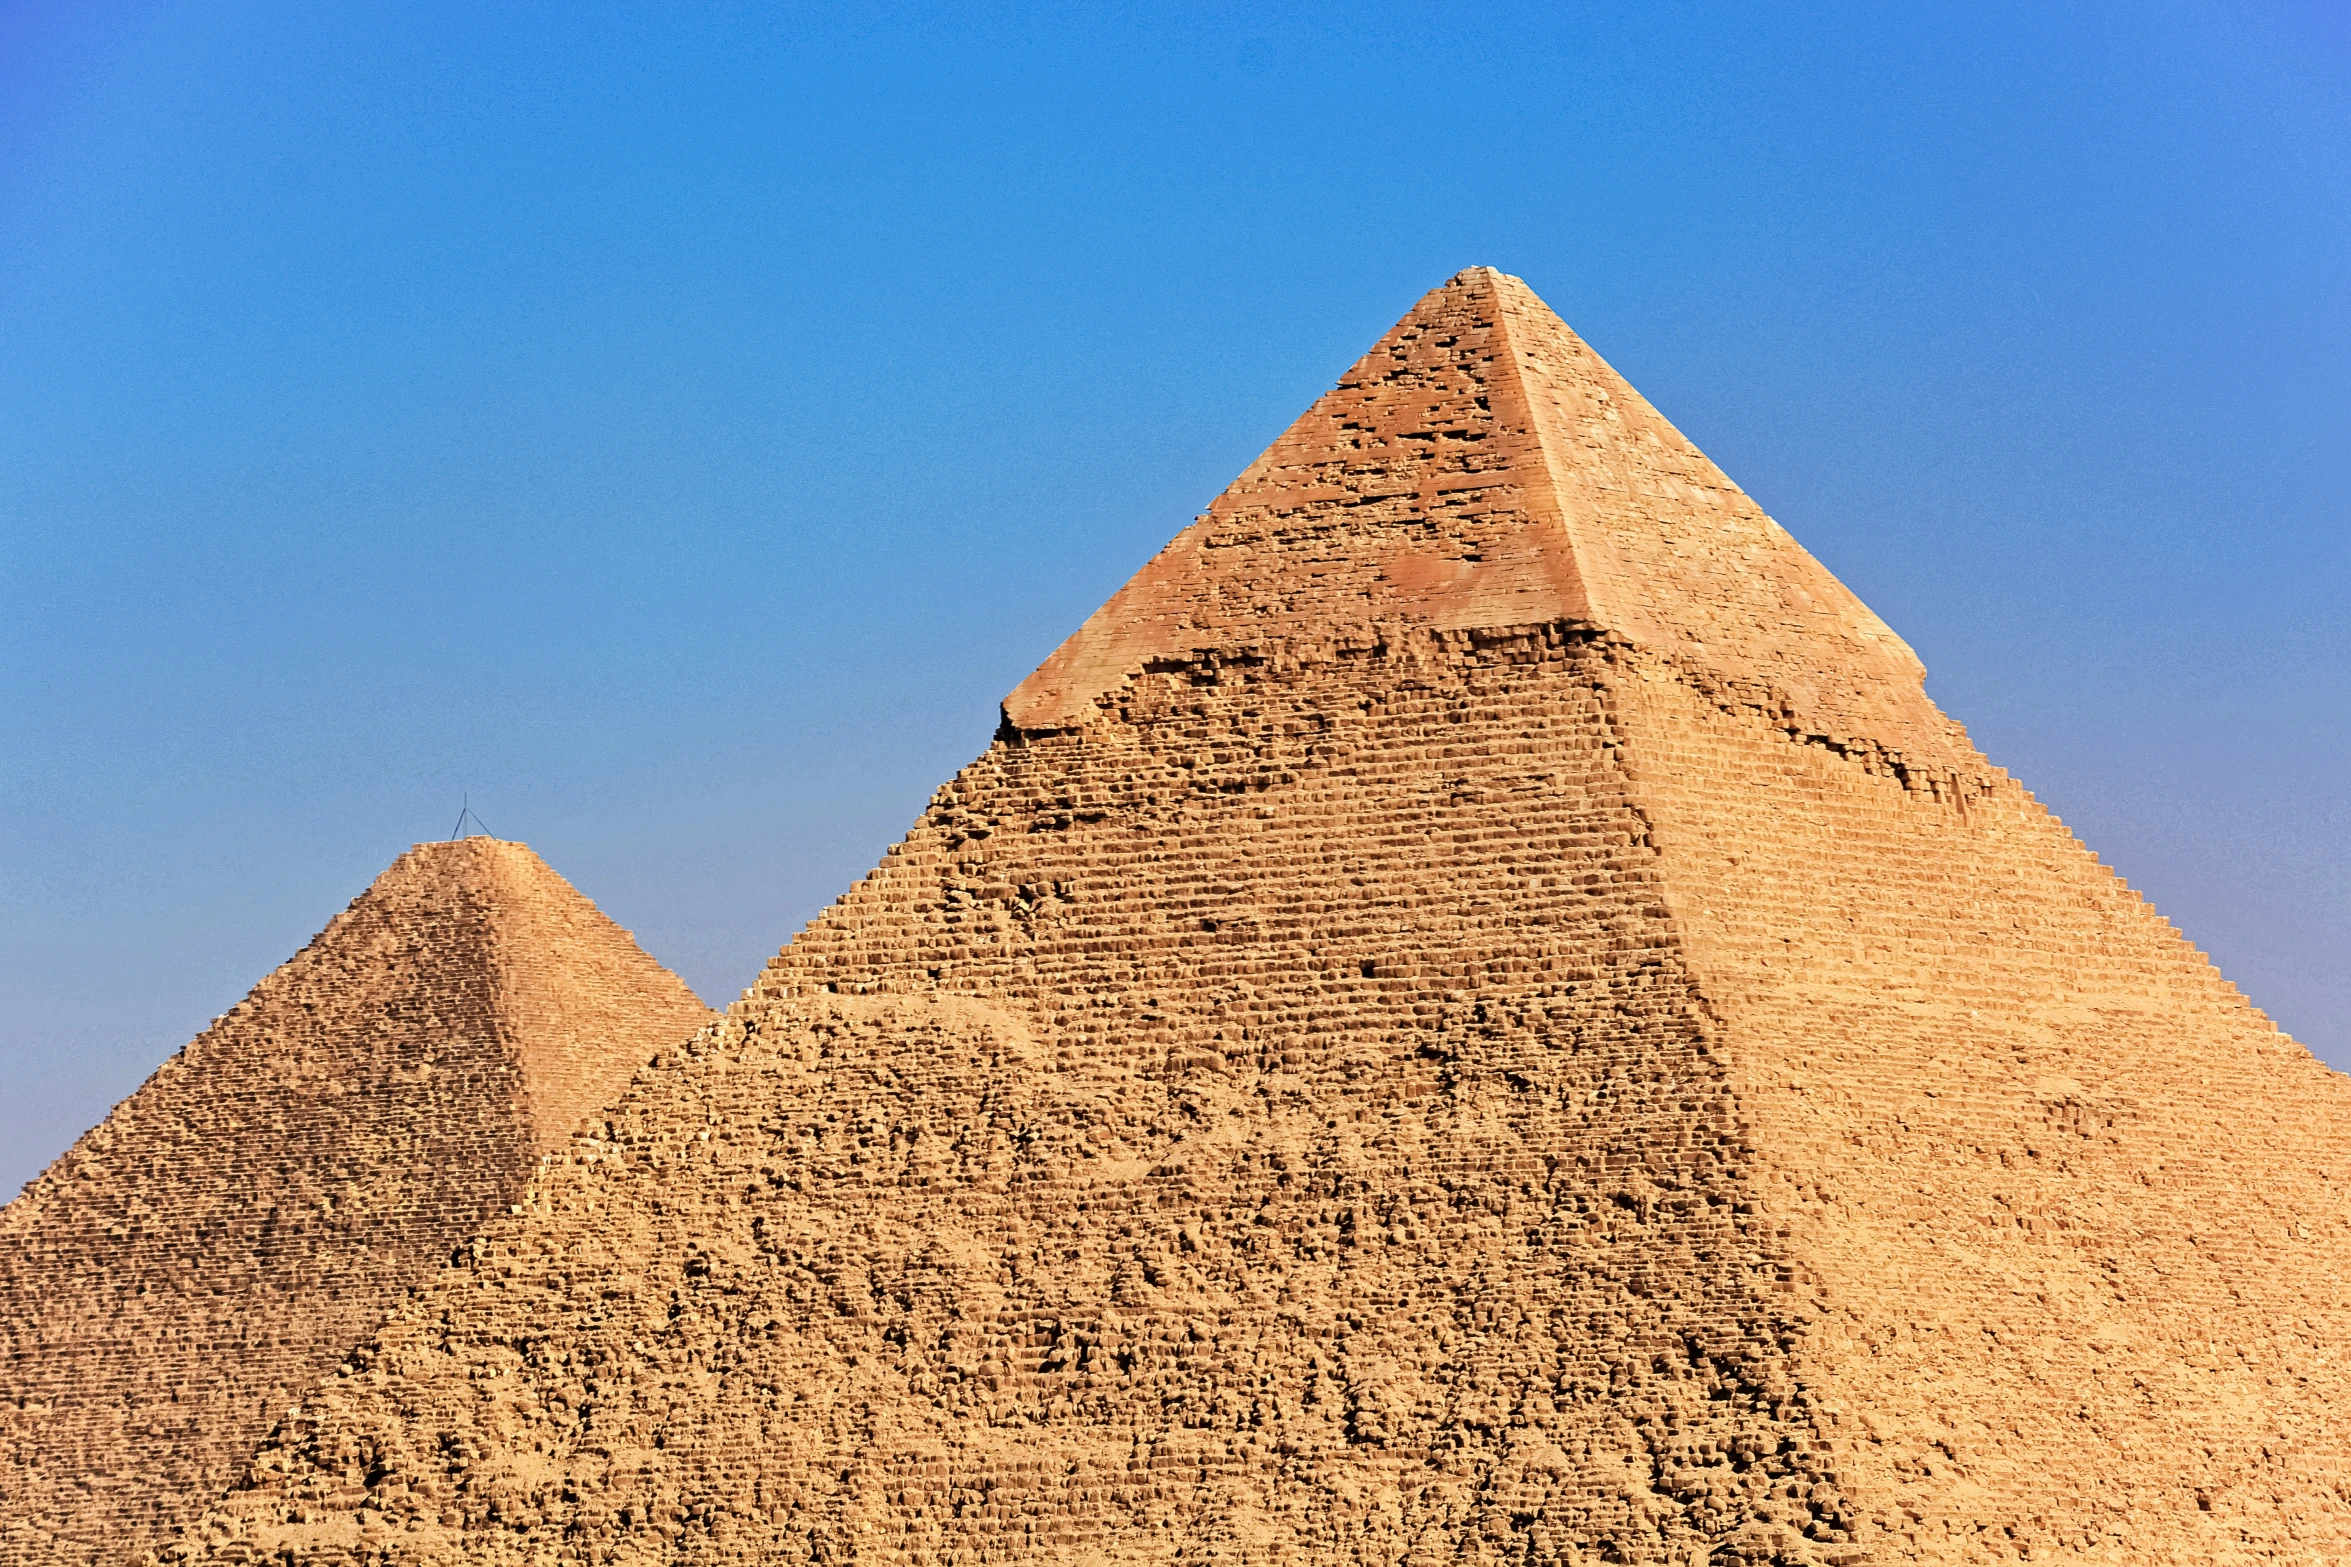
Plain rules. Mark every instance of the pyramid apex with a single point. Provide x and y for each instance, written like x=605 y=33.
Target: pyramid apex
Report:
x=470 y=845
x=1479 y=277
x=1483 y=468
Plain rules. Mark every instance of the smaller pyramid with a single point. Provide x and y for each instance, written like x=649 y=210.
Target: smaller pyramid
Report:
x=183 y=1276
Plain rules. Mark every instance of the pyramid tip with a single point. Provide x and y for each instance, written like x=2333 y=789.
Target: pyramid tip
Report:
x=470 y=855
x=1583 y=507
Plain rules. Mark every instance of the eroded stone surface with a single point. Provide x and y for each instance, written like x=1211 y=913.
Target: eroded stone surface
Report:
x=1487 y=1115
x=183 y=1275
x=1324 y=1215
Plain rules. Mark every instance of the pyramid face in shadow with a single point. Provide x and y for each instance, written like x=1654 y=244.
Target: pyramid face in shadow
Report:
x=1475 y=1012
x=189 y=1270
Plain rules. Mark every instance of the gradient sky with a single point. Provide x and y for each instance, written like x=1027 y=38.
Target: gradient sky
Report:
x=674 y=428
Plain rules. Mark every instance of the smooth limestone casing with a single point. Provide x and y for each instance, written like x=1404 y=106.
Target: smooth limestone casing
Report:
x=1475 y=1011
x=185 y=1273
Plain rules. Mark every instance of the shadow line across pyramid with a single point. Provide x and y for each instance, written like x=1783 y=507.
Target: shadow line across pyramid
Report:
x=1474 y=1012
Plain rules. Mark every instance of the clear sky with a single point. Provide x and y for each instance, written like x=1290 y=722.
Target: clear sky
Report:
x=674 y=428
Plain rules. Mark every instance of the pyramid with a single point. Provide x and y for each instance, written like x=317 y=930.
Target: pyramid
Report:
x=1475 y=1012
x=185 y=1274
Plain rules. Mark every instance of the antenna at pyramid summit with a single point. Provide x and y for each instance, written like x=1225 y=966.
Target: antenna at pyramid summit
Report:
x=464 y=815
x=1474 y=1011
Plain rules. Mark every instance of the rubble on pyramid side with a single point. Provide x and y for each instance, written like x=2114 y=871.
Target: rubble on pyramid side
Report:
x=1468 y=1091
x=187 y=1271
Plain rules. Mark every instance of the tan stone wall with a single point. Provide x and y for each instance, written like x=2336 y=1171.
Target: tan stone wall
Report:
x=183 y=1275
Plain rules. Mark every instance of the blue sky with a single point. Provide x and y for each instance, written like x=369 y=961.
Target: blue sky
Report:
x=674 y=428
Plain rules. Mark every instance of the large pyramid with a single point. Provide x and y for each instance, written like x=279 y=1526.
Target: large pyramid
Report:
x=1475 y=1012
x=186 y=1273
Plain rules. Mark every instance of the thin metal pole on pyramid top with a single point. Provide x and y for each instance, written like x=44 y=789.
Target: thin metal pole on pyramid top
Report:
x=465 y=811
